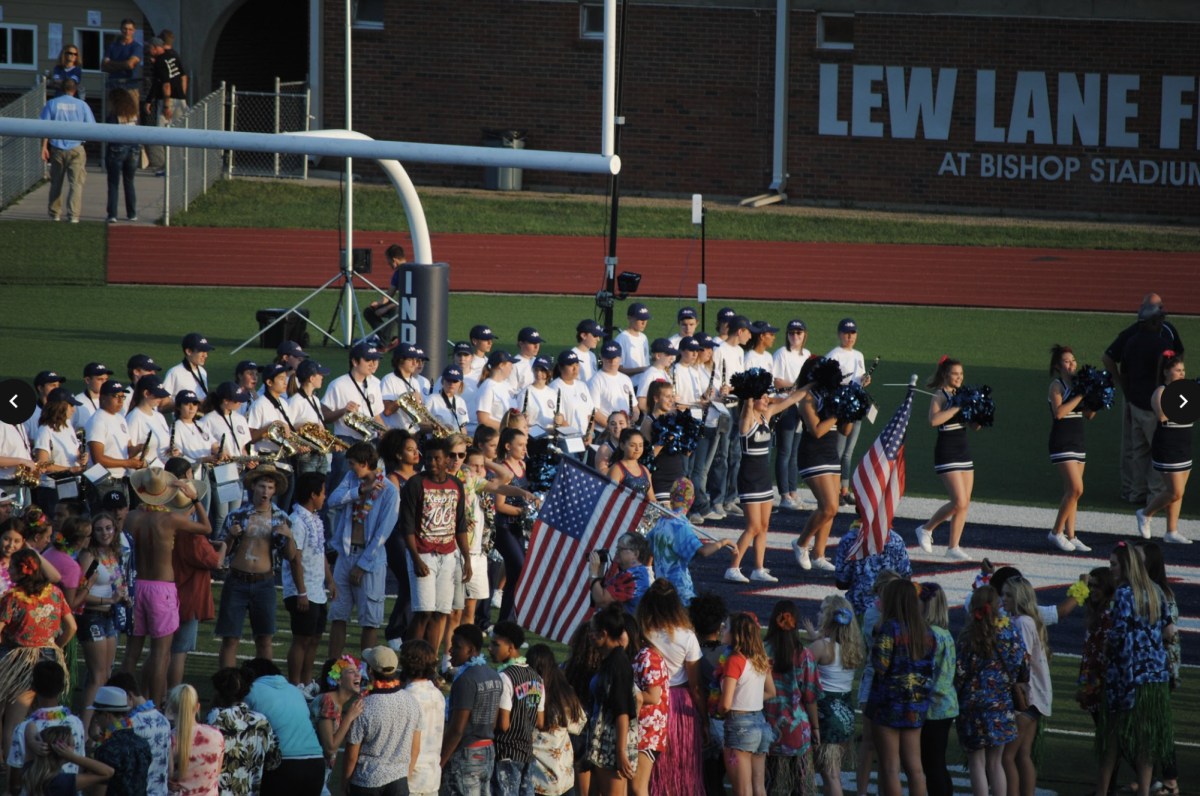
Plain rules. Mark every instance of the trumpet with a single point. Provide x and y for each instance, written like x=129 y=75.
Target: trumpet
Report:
x=368 y=426
x=319 y=438
x=415 y=408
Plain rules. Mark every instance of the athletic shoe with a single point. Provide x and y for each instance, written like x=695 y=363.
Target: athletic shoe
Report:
x=734 y=575
x=396 y=643
x=696 y=519
x=925 y=539
x=957 y=554
x=1061 y=542
x=802 y=557
x=733 y=509
x=824 y=563
x=497 y=598
x=1143 y=524
x=1175 y=537
x=790 y=502
x=850 y=499
x=74 y=221
x=763 y=576
x=110 y=220
x=715 y=513
x=1080 y=547
x=132 y=218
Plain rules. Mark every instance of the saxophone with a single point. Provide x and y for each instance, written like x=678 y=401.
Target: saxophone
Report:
x=369 y=427
x=260 y=457
x=415 y=408
x=81 y=435
x=319 y=438
x=30 y=476
x=289 y=442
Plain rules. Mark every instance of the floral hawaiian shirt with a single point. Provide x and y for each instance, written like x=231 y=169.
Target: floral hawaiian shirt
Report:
x=250 y=747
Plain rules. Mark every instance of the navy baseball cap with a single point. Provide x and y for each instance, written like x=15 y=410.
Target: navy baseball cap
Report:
x=364 y=350
x=762 y=327
x=404 y=351
x=142 y=362
x=246 y=365
x=725 y=314
x=639 y=311
x=112 y=388
x=291 y=348
x=228 y=391
x=706 y=340
x=47 y=377
x=590 y=327
x=610 y=350
x=196 y=342
x=847 y=326
x=309 y=368
x=272 y=370
x=451 y=374
x=738 y=322
x=545 y=363
x=62 y=394
x=95 y=369
x=568 y=357
x=187 y=397
x=151 y=384
x=685 y=312
x=463 y=348
x=419 y=353
x=796 y=325
x=499 y=357
x=690 y=343
x=663 y=346
x=482 y=332
x=529 y=335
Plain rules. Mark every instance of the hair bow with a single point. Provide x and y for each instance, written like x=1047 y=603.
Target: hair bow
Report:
x=1067 y=350
x=785 y=621
x=942 y=361
x=928 y=590
x=1168 y=354
x=843 y=616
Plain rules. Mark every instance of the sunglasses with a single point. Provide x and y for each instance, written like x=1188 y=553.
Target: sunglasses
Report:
x=73 y=54
x=458 y=455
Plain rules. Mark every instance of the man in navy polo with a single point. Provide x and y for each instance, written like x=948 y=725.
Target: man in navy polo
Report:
x=121 y=62
x=66 y=156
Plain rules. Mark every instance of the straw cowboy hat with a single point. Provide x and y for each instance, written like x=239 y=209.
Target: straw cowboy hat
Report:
x=266 y=471
x=156 y=487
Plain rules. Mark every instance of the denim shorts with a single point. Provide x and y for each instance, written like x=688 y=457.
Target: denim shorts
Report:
x=748 y=732
x=96 y=626
x=185 y=637
x=238 y=597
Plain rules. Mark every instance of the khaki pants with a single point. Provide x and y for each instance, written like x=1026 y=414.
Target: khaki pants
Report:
x=71 y=164
x=1146 y=481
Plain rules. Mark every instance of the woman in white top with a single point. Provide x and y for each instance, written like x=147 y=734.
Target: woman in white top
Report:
x=745 y=685
x=146 y=422
x=304 y=407
x=785 y=366
x=493 y=399
x=57 y=446
x=838 y=652
x=1020 y=601
x=540 y=404
x=191 y=438
x=403 y=379
x=854 y=369
x=664 y=622
x=226 y=424
x=762 y=337
x=99 y=636
x=576 y=405
x=447 y=403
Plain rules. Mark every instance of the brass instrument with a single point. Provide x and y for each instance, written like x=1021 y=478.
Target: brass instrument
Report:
x=30 y=476
x=260 y=457
x=289 y=442
x=319 y=438
x=415 y=408
x=369 y=427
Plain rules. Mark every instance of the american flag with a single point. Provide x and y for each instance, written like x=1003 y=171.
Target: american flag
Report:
x=584 y=511
x=879 y=483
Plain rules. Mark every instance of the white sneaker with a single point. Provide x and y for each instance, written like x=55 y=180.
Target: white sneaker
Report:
x=733 y=509
x=957 y=554
x=824 y=563
x=396 y=643
x=763 y=576
x=1143 y=524
x=802 y=557
x=696 y=519
x=792 y=502
x=1061 y=542
x=925 y=539
x=734 y=575
x=1080 y=547
x=1175 y=537
x=497 y=598
x=715 y=513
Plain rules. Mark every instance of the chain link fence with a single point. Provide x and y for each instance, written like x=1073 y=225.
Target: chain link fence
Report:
x=190 y=170
x=21 y=164
x=284 y=110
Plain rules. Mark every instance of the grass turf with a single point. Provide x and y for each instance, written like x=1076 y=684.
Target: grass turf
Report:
x=1003 y=348
x=279 y=205
x=45 y=253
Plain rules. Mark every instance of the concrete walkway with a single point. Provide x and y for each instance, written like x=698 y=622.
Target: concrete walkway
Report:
x=149 y=190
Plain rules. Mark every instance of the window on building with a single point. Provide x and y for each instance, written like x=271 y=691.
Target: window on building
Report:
x=591 y=22
x=92 y=44
x=367 y=14
x=18 y=46
x=835 y=31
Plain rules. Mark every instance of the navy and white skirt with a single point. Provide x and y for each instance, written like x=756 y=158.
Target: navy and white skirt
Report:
x=1066 y=440
x=952 y=452
x=1171 y=448
x=818 y=456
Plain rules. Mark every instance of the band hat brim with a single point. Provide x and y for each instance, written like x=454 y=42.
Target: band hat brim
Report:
x=265 y=471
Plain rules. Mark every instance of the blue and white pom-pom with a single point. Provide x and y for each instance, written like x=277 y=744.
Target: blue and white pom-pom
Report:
x=541 y=465
x=826 y=375
x=976 y=405
x=752 y=384
x=1096 y=387
x=677 y=432
x=850 y=403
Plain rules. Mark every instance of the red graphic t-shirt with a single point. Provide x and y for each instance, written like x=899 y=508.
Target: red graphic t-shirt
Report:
x=435 y=531
x=649 y=670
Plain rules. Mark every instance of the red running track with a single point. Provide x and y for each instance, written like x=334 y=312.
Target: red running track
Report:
x=836 y=272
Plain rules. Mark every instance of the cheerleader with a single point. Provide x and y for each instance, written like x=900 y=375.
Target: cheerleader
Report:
x=854 y=369
x=617 y=423
x=146 y=422
x=951 y=459
x=56 y=446
x=754 y=482
x=447 y=404
x=1067 y=450
x=538 y=402
x=401 y=381
x=785 y=366
x=493 y=400
x=629 y=470
x=1170 y=454
x=576 y=405
x=668 y=466
x=819 y=466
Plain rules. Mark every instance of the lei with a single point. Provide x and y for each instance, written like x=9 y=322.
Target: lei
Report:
x=51 y=714
x=517 y=661
x=1079 y=591
x=478 y=660
x=384 y=685
x=148 y=507
x=361 y=510
x=142 y=708
x=32 y=600
x=1003 y=622
x=117 y=726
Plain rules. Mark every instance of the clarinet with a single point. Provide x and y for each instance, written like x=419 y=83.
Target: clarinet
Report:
x=557 y=403
x=525 y=403
x=145 y=447
x=171 y=441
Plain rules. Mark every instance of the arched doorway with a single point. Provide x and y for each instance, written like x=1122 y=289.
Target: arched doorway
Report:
x=263 y=40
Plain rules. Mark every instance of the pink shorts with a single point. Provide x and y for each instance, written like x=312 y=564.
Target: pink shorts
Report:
x=155 y=609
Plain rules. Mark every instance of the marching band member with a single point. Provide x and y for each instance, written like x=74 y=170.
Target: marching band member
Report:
x=401 y=381
x=481 y=345
x=854 y=369
x=686 y=318
x=493 y=400
x=290 y=355
x=190 y=373
x=762 y=337
x=225 y=423
x=588 y=334
x=56 y=445
x=689 y=379
x=729 y=360
x=141 y=365
x=246 y=377
x=272 y=409
x=661 y=355
x=147 y=422
x=714 y=410
x=16 y=451
x=537 y=401
x=192 y=438
x=305 y=408
x=786 y=367
x=575 y=407
x=357 y=391
x=612 y=391
x=94 y=376
x=530 y=343
x=462 y=360
x=724 y=316
x=425 y=389
x=44 y=383
x=1067 y=448
x=447 y=403
x=635 y=348
x=108 y=438
x=951 y=459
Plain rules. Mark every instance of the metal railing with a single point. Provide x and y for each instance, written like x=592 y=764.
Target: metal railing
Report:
x=284 y=110
x=21 y=164
x=189 y=170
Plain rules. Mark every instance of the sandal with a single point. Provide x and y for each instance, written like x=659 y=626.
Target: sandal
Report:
x=1168 y=791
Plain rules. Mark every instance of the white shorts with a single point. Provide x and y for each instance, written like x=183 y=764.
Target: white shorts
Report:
x=367 y=597
x=477 y=586
x=433 y=593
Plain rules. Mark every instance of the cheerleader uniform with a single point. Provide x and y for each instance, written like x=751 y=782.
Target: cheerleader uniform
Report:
x=1171 y=447
x=638 y=483
x=952 y=453
x=818 y=455
x=754 y=476
x=1066 y=434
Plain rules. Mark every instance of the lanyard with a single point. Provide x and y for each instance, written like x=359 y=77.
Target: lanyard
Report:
x=367 y=398
x=236 y=445
x=195 y=376
x=315 y=405
x=449 y=401
x=279 y=408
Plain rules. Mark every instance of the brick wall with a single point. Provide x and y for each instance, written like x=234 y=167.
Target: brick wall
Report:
x=698 y=99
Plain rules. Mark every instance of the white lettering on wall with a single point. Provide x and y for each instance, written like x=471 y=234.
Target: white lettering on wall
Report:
x=864 y=100
x=1078 y=109
x=1175 y=110
x=918 y=101
x=1030 y=110
x=985 y=107
x=1120 y=109
x=827 y=115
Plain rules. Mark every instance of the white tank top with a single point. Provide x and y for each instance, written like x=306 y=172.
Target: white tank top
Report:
x=834 y=676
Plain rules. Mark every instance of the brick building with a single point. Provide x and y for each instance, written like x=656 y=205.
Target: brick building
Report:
x=1073 y=108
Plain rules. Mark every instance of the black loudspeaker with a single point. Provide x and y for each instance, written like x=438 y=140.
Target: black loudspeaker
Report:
x=361 y=259
x=292 y=328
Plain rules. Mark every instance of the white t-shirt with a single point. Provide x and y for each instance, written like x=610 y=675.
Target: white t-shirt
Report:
x=635 y=349
x=453 y=411
x=308 y=532
x=587 y=363
x=540 y=407
x=1040 y=692
x=478 y=363
x=648 y=377
x=17 y=757
x=88 y=406
x=235 y=429
x=728 y=360
x=113 y=433
x=14 y=444
x=62 y=445
x=301 y=410
x=343 y=391
x=180 y=378
x=154 y=425
x=577 y=403
x=611 y=393
x=853 y=366
x=193 y=440
x=754 y=359
x=521 y=376
x=748 y=693
x=678 y=649
x=691 y=381
x=494 y=398
x=31 y=425
x=787 y=364
x=392 y=387
x=262 y=414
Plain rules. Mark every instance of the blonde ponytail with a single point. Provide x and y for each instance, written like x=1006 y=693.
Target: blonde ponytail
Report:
x=181 y=710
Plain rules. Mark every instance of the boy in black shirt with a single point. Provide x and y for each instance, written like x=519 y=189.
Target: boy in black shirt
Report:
x=522 y=710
